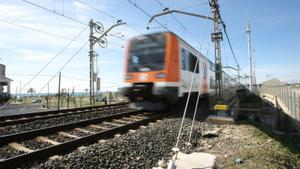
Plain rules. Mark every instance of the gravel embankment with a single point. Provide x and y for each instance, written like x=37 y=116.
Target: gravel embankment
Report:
x=142 y=149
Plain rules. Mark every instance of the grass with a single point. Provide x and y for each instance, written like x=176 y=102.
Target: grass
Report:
x=74 y=101
x=278 y=151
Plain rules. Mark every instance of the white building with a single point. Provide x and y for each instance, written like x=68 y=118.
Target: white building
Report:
x=4 y=81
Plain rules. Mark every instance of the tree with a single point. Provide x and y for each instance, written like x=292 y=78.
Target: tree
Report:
x=31 y=91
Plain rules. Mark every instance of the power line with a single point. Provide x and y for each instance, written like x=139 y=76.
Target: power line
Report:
x=51 y=60
x=67 y=17
x=188 y=31
x=65 y=64
x=146 y=13
x=227 y=37
x=48 y=75
x=98 y=10
x=34 y=29
x=104 y=13
x=49 y=10
x=194 y=5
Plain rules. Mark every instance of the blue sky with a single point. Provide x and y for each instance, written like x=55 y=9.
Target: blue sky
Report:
x=275 y=31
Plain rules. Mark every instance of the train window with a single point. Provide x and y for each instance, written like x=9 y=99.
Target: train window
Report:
x=193 y=62
x=135 y=59
x=184 y=56
x=211 y=66
x=147 y=53
x=212 y=82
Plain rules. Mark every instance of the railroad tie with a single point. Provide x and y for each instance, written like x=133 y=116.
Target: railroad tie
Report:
x=146 y=113
x=112 y=124
x=55 y=157
x=128 y=118
x=84 y=131
x=137 y=117
x=46 y=140
x=20 y=147
x=151 y=124
x=67 y=135
x=98 y=127
x=132 y=131
x=122 y=121
x=101 y=141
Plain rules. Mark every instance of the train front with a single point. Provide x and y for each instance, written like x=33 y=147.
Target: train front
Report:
x=151 y=71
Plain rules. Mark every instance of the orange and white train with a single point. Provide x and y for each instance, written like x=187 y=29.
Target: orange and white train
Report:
x=159 y=69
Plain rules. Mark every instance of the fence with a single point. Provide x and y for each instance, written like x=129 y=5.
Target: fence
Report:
x=288 y=96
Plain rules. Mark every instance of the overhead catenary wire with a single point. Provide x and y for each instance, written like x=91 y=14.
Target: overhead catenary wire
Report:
x=31 y=79
x=54 y=57
x=35 y=30
x=194 y=5
x=175 y=18
x=96 y=9
x=105 y=13
x=227 y=37
x=48 y=75
x=146 y=13
x=64 y=65
x=62 y=15
x=53 y=11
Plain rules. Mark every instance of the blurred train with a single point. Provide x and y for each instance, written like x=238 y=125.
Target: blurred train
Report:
x=159 y=69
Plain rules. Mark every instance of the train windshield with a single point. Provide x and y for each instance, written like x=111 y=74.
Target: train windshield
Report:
x=147 y=53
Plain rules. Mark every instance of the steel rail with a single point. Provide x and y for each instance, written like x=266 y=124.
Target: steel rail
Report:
x=4 y=139
x=64 y=147
x=42 y=113
x=57 y=114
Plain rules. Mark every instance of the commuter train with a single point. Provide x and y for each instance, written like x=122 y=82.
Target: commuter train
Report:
x=159 y=68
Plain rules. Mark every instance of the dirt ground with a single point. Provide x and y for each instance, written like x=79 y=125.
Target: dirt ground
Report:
x=249 y=146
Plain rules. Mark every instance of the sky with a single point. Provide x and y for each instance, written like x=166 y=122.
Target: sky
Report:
x=31 y=36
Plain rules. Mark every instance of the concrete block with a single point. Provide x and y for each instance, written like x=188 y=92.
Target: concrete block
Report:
x=195 y=160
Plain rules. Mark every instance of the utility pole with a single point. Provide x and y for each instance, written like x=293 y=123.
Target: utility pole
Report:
x=251 y=69
x=216 y=38
x=91 y=55
x=48 y=96
x=58 y=99
x=102 y=42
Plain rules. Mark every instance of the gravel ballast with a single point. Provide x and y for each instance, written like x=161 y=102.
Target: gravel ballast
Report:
x=142 y=149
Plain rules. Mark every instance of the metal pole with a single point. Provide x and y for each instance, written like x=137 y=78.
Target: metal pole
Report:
x=294 y=104
x=298 y=105
x=47 y=106
x=58 y=99
x=248 y=31
x=91 y=55
x=217 y=37
x=286 y=96
x=68 y=98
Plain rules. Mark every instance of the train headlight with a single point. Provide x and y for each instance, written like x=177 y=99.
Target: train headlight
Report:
x=128 y=77
x=160 y=75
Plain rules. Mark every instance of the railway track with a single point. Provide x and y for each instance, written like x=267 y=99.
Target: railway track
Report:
x=61 y=119
x=47 y=142
x=23 y=118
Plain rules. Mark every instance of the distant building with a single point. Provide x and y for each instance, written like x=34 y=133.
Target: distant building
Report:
x=4 y=82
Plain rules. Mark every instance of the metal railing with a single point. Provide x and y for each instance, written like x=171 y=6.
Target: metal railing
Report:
x=286 y=94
